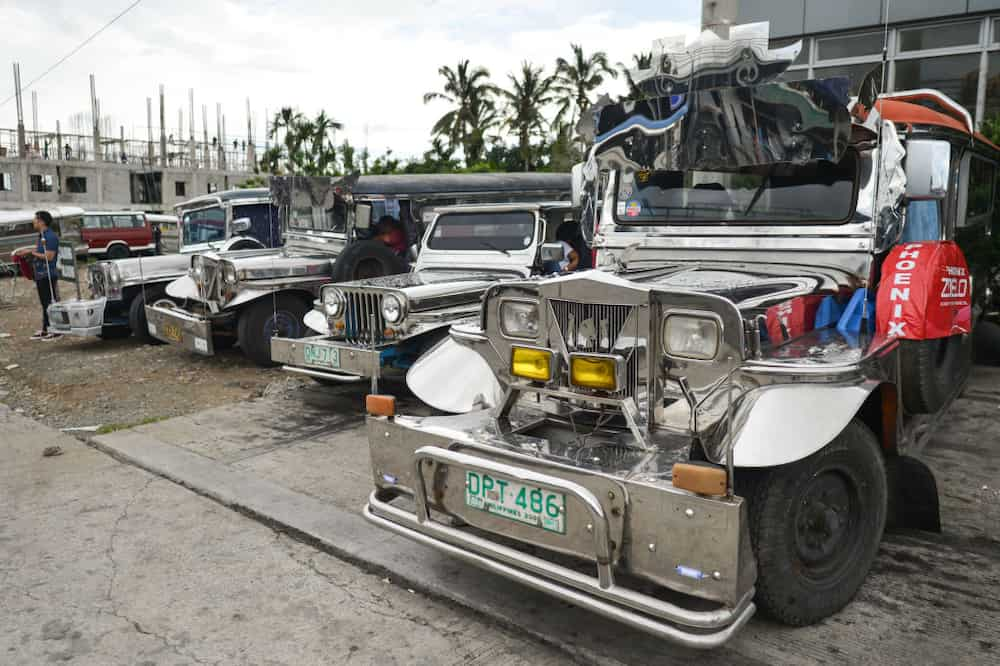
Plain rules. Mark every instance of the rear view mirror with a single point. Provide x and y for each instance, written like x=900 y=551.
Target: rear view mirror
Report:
x=363 y=216
x=928 y=167
x=553 y=252
x=241 y=225
x=576 y=180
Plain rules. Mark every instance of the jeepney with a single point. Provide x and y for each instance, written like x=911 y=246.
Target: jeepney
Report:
x=387 y=323
x=718 y=418
x=227 y=221
x=330 y=237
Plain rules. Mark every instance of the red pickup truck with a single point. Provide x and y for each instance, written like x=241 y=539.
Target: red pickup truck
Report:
x=117 y=235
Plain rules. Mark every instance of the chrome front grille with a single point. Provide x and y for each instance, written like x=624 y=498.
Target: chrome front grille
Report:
x=598 y=328
x=361 y=306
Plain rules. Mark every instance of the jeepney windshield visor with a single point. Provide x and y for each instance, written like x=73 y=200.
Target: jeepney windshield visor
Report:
x=815 y=192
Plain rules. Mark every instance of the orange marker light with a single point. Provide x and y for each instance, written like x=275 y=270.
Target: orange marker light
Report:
x=380 y=405
x=700 y=478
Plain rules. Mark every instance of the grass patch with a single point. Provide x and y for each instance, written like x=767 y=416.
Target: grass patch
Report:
x=109 y=428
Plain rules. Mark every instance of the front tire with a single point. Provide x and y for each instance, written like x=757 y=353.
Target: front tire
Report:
x=284 y=316
x=137 y=313
x=815 y=526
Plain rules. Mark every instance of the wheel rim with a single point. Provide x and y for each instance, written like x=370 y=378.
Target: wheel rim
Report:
x=368 y=268
x=827 y=523
x=282 y=324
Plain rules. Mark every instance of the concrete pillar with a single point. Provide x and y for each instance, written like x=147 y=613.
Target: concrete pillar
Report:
x=21 y=139
x=149 y=131
x=718 y=15
x=96 y=116
x=163 y=129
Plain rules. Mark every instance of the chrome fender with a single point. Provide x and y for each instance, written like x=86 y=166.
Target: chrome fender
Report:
x=318 y=322
x=777 y=425
x=245 y=296
x=454 y=378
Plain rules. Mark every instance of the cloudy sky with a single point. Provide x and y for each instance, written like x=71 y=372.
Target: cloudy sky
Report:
x=366 y=63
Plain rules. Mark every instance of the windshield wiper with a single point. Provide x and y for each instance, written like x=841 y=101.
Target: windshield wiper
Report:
x=494 y=248
x=759 y=192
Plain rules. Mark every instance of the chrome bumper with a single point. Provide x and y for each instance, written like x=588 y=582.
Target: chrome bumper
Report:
x=327 y=358
x=641 y=529
x=179 y=327
x=83 y=319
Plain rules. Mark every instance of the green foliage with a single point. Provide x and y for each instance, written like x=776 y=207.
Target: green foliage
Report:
x=302 y=145
x=991 y=128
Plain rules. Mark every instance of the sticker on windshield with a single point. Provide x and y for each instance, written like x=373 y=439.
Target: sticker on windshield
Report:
x=633 y=209
x=526 y=241
x=621 y=208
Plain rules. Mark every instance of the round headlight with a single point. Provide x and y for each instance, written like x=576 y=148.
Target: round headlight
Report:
x=333 y=301
x=392 y=309
x=519 y=319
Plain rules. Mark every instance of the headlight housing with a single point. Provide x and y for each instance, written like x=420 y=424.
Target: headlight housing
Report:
x=393 y=309
x=197 y=266
x=333 y=302
x=229 y=273
x=519 y=319
x=691 y=336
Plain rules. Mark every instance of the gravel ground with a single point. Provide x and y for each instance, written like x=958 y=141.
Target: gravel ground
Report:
x=80 y=382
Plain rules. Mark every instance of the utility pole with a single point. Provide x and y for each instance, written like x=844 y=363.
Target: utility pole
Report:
x=21 y=139
x=149 y=131
x=192 y=155
x=163 y=129
x=251 y=155
x=96 y=117
x=221 y=140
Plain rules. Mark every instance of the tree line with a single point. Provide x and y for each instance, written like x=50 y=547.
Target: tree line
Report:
x=527 y=123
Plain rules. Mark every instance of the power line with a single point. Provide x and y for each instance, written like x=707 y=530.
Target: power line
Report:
x=72 y=53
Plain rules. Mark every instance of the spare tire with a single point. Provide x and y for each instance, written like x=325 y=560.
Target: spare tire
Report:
x=932 y=370
x=367 y=259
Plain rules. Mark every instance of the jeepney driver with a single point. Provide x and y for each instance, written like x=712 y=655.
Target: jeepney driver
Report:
x=46 y=270
x=390 y=231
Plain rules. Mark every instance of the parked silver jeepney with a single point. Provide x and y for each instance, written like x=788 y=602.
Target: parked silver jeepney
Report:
x=389 y=322
x=120 y=289
x=717 y=419
x=329 y=228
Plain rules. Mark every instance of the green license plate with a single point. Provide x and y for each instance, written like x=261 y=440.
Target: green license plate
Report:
x=515 y=501
x=323 y=356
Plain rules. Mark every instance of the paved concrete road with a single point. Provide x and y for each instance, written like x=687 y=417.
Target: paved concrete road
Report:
x=300 y=459
x=103 y=563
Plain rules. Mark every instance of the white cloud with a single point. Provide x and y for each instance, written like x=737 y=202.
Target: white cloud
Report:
x=367 y=64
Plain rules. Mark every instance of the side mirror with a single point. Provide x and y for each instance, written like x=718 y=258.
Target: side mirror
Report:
x=363 y=216
x=241 y=225
x=576 y=180
x=553 y=252
x=928 y=166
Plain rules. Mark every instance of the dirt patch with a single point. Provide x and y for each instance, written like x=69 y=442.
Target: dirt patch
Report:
x=88 y=382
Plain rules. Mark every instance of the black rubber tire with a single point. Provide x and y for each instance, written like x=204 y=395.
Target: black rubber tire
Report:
x=798 y=582
x=118 y=251
x=223 y=342
x=257 y=323
x=245 y=244
x=114 y=332
x=932 y=370
x=986 y=343
x=137 y=313
x=367 y=259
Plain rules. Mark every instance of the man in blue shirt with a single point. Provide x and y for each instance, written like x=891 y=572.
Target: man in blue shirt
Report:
x=46 y=270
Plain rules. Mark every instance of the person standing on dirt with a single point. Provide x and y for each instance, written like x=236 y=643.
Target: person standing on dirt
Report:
x=46 y=270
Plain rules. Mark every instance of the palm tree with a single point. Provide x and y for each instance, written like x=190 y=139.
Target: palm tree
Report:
x=468 y=89
x=577 y=78
x=526 y=98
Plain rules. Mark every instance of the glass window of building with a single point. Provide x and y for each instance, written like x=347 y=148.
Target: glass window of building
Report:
x=992 y=106
x=939 y=36
x=855 y=73
x=956 y=76
x=996 y=30
x=850 y=46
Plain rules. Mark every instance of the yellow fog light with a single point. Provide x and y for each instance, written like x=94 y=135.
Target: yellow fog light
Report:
x=596 y=371
x=535 y=364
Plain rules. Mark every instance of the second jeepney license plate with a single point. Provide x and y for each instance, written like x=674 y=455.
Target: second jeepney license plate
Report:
x=515 y=501
x=173 y=332
x=326 y=357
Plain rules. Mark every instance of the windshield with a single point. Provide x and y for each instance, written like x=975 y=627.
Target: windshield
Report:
x=319 y=218
x=204 y=226
x=514 y=230
x=788 y=193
